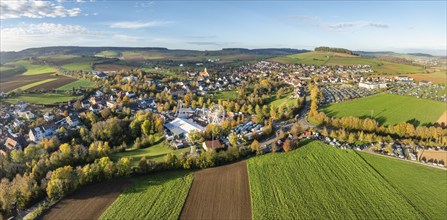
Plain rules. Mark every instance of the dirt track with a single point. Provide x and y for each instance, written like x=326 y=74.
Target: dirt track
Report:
x=219 y=193
x=89 y=202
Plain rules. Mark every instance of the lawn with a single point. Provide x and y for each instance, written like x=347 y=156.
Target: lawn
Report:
x=156 y=153
x=230 y=95
x=77 y=84
x=389 y=109
x=32 y=69
x=159 y=71
x=156 y=196
x=329 y=58
x=318 y=181
x=424 y=186
x=35 y=84
x=47 y=98
x=284 y=101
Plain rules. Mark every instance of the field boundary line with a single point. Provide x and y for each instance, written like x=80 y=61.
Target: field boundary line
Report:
x=394 y=187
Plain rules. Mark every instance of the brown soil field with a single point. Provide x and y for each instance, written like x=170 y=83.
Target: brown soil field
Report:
x=54 y=84
x=433 y=154
x=443 y=118
x=13 y=82
x=219 y=193
x=89 y=202
x=112 y=67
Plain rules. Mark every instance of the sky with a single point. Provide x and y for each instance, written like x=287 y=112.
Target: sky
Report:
x=400 y=26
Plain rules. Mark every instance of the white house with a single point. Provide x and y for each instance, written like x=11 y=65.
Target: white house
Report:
x=368 y=85
x=36 y=134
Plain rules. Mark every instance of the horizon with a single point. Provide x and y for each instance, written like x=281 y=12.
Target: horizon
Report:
x=401 y=27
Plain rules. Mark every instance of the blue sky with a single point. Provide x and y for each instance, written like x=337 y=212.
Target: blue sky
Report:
x=402 y=26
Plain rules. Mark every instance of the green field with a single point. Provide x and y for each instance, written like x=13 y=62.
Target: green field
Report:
x=329 y=58
x=35 y=84
x=161 y=71
x=424 y=186
x=389 y=109
x=156 y=196
x=108 y=53
x=229 y=95
x=83 y=65
x=47 y=98
x=284 y=101
x=31 y=69
x=77 y=84
x=156 y=153
x=318 y=181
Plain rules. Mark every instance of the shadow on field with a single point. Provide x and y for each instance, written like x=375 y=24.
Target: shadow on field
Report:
x=102 y=189
x=414 y=122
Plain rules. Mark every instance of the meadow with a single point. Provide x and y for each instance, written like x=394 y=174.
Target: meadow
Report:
x=77 y=84
x=32 y=69
x=108 y=54
x=155 y=153
x=155 y=196
x=318 y=181
x=229 y=95
x=389 y=109
x=47 y=98
x=424 y=186
x=332 y=59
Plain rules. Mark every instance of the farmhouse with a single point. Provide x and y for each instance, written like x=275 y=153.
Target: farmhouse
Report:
x=211 y=145
x=12 y=144
x=182 y=127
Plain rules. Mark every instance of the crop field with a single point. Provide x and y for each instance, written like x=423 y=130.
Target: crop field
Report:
x=424 y=186
x=88 y=202
x=77 y=84
x=156 y=153
x=318 y=181
x=31 y=85
x=47 y=98
x=219 y=193
x=31 y=82
x=81 y=65
x=389 y=109
x=329 y=58
x=156 y=196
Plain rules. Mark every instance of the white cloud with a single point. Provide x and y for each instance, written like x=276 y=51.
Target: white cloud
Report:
x=138 y=24
x=35 y=9
x=357 y=24
x=45 y=29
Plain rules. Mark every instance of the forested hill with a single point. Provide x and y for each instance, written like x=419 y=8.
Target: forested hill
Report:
x=90 y=51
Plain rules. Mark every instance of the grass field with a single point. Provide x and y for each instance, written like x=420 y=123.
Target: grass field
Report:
x=48 y=98
x=318 y=181
x=83 y=65
x=32 y=69
x=155 y=153
x=424 y=186
x=164 y=72
x=328 y=58
x=156 y=196
x=35 y=84
x=77 y=84
x=284 y=101
x=389 y=109
x=230 y=95
x=108 y=53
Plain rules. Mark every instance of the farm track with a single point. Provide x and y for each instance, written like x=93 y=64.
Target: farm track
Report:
x=89 y=202
x=219 y=193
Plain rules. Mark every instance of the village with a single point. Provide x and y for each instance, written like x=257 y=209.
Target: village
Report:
x=23 y=124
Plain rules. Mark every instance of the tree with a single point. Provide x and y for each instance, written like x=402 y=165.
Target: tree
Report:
x=233 y=139
x=123 y=166
x=287 y=146
x=146 y=127
x=255 y=146
x=62 y=181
